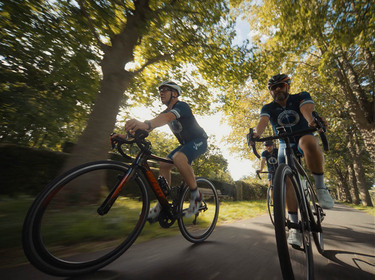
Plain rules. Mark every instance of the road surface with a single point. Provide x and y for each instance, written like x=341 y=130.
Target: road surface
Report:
x=240 y=250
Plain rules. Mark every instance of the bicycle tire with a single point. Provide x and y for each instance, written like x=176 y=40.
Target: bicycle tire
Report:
x=199 y=227
x=314 y=210
x=316 y=216
x=295 y=263
x=62 y=227
x=270 y=203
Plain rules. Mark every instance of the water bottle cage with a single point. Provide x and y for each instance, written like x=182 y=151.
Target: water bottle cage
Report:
x=164 y=185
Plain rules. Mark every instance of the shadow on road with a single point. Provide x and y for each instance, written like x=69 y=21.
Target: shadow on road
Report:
x=354 y=261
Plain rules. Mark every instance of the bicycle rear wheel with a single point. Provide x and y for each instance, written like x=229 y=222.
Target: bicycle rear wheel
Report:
x=64 y=235
x=295 y=262
x=199 y=227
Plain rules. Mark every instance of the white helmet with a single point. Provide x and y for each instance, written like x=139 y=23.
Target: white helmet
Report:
x=171 y=85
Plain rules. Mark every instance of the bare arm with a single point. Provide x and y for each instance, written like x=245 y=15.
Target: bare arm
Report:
x=306 y=111
x=133 y=124
x=262 y=164
x=261 y=126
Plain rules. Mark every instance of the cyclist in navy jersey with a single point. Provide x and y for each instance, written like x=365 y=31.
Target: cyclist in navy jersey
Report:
x=294 y=111
x=192 y=139
x=269 y=157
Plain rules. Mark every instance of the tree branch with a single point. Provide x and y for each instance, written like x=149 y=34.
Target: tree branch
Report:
x=157 y=59
x=91 y=25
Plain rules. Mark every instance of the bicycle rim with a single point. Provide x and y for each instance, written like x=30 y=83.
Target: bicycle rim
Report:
x=64 y=235
x=198 y=228
x=295 y=262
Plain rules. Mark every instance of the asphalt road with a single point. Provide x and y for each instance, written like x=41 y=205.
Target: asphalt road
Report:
x=241 y=250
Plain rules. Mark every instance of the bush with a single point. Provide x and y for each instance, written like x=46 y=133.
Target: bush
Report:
x=27 y=171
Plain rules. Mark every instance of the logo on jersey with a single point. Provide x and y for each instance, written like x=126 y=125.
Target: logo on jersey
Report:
x=288 y=118
x=175 y=126
x=197 y=145
x=272 y=160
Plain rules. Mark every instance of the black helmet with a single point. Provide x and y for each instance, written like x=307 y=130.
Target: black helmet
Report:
x=268 y=143
x=172 y=85
x=278 y=79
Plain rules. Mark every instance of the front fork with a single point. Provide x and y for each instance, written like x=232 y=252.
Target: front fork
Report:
x=112 y=196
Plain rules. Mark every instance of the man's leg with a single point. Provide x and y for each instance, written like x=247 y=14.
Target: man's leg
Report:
x=187 y=173
x=185 y=169
x=315 y=162
x=313 y=154
x=165 y=171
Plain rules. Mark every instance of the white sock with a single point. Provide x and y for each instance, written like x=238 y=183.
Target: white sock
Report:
x=319 y=181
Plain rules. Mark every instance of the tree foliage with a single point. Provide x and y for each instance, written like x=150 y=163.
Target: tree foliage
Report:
x=328 y=49
x=48 y=78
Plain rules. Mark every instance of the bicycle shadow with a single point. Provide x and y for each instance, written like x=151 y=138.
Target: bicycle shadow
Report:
x=361 y=264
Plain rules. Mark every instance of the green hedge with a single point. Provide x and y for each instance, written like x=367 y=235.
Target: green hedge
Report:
x=27 y=171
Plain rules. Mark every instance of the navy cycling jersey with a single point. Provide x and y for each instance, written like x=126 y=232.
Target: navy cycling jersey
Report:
x=185 y=127
x=271 y=159
x=289 y=116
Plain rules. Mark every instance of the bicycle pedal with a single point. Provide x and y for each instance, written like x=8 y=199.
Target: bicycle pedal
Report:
x=296 y=247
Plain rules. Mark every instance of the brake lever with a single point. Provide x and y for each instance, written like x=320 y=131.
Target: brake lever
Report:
x=318 y=120
x=113 y=144
x=250 y=138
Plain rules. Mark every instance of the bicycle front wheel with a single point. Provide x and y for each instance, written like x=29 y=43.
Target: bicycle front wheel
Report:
x=296 y=262
x=316 y=215
x=270 y=203
x=198 y=228
x=64 y=235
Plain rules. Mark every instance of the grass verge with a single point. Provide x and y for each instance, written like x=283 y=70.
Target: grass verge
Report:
x=13 y=211
x=368 y=209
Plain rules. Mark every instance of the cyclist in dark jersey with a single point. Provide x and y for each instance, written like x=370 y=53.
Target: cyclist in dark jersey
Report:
x=192 y=139
x=294 y=111
x=269 y=157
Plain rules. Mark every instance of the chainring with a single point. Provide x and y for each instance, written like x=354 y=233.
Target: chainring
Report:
x=165 y=221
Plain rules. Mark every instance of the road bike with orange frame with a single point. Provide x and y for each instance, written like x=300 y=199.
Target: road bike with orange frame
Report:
x=90 y=215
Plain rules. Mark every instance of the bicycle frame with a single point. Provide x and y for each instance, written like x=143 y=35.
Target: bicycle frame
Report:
x=139 y=163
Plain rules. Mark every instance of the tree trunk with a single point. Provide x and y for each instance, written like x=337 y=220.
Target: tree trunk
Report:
x=343 y=190
x=93 y=144
x=359 y=105
x=354 y=149
x=353 y=185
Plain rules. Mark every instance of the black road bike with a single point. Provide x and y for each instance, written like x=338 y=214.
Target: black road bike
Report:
x=296 y=262
x=90 y=215
x=269 y=195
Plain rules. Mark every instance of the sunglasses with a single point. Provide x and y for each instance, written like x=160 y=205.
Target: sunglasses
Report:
x=164 y=89
x=281 y=86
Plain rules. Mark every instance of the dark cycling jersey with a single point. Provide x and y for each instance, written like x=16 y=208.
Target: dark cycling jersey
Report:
x=289 y=116
x=271 y=159
x=185 y=127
